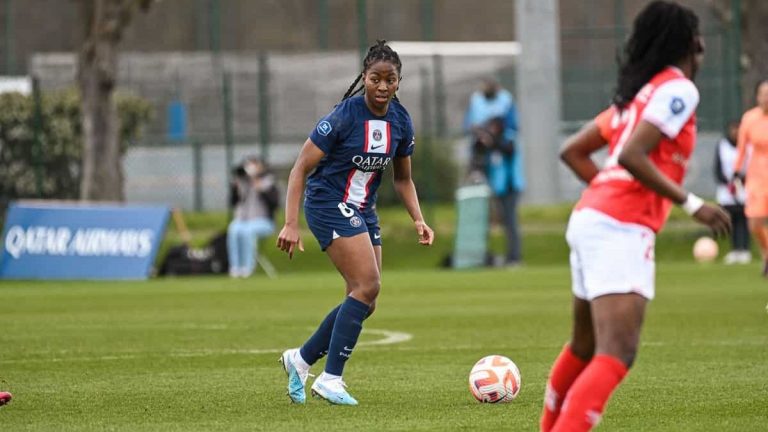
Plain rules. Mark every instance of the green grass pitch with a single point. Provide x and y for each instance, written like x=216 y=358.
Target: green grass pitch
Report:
x=200 y=354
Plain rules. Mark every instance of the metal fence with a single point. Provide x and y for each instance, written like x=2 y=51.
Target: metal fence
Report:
x=266 y=103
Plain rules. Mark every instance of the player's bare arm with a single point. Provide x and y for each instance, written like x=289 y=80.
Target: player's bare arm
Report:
x=578 y=148
x=406 y=190
x=288 y=239
x=634 y=158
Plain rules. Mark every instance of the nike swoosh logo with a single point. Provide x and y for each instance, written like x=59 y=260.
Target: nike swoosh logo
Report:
x=377 y=147
x=377 y=236
x=347 y=349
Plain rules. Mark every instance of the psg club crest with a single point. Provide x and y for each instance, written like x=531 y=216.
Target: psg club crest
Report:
x=355 y=221
x=377 y=136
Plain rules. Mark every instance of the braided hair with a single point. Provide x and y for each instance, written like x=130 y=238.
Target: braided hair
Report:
x=376 y=53
x=663 y=34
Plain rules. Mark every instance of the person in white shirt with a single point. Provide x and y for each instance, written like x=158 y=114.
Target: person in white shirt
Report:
x=731 y=196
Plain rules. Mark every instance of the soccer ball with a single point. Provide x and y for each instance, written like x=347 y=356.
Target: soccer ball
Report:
x=494 y=379
x=705 y=250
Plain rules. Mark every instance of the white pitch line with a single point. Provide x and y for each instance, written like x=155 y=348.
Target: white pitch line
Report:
x=390 y=338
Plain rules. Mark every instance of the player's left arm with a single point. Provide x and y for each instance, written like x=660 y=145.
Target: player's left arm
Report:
x=406 y=190
x=647 y=135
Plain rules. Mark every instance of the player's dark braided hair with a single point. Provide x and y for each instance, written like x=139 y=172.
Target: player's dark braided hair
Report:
x=380 y=51
x=663 y=34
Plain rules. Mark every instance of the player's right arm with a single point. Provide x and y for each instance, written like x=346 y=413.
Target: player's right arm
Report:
x=309 y=157
x=578 y=148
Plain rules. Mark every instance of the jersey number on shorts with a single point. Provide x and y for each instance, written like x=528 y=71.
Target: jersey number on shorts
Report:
x=346 y=211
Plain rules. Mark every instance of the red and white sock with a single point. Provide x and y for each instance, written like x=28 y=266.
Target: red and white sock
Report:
x=564 y=372
x=585 y=401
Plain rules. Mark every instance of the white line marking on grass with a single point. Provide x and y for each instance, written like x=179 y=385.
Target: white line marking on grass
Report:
x=390 y=337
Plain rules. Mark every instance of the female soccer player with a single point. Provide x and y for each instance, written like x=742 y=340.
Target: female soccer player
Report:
x=348 y=151
x=753 y=134
x=650 y=130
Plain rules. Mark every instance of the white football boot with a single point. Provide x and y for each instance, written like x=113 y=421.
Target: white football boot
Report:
x=332 y=390
x=297 y=376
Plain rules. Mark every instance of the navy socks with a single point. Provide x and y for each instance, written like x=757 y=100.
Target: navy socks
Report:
x=346 y=330
x=317 y=345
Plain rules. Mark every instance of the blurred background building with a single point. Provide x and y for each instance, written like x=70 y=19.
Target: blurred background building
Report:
x=228 y=78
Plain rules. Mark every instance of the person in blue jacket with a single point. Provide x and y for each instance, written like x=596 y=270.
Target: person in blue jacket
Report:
x=491 y=121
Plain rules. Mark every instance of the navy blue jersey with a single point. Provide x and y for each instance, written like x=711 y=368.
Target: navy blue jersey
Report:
x=358 y=146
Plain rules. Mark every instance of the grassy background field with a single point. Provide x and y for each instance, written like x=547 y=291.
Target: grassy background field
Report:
x=200 y=353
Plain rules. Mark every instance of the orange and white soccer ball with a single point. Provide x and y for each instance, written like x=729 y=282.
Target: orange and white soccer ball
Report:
x=705 y=250
x=494 y=379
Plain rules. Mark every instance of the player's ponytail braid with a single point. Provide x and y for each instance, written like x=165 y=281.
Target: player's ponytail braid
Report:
x=350 y=91
x=377 y=52
x=663 y=34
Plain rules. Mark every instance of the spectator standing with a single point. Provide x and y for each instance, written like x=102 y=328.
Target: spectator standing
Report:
x=731 y=196
x=491 y=120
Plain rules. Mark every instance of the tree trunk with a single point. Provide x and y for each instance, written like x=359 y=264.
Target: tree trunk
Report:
x=754 y=47
x=104 y=20
x=101 y=176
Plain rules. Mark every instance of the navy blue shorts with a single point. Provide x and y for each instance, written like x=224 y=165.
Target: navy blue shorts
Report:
x=346 y=220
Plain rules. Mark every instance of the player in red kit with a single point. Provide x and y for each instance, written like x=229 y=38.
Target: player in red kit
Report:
x=650 y=130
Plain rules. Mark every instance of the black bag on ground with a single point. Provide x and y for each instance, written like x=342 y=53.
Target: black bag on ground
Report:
x=185 y=260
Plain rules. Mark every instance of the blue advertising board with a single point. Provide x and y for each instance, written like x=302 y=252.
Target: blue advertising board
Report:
x=57 y=240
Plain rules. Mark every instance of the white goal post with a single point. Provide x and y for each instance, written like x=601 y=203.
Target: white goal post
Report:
x=456 y=49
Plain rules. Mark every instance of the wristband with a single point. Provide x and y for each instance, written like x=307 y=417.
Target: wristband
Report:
x=692 y=204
